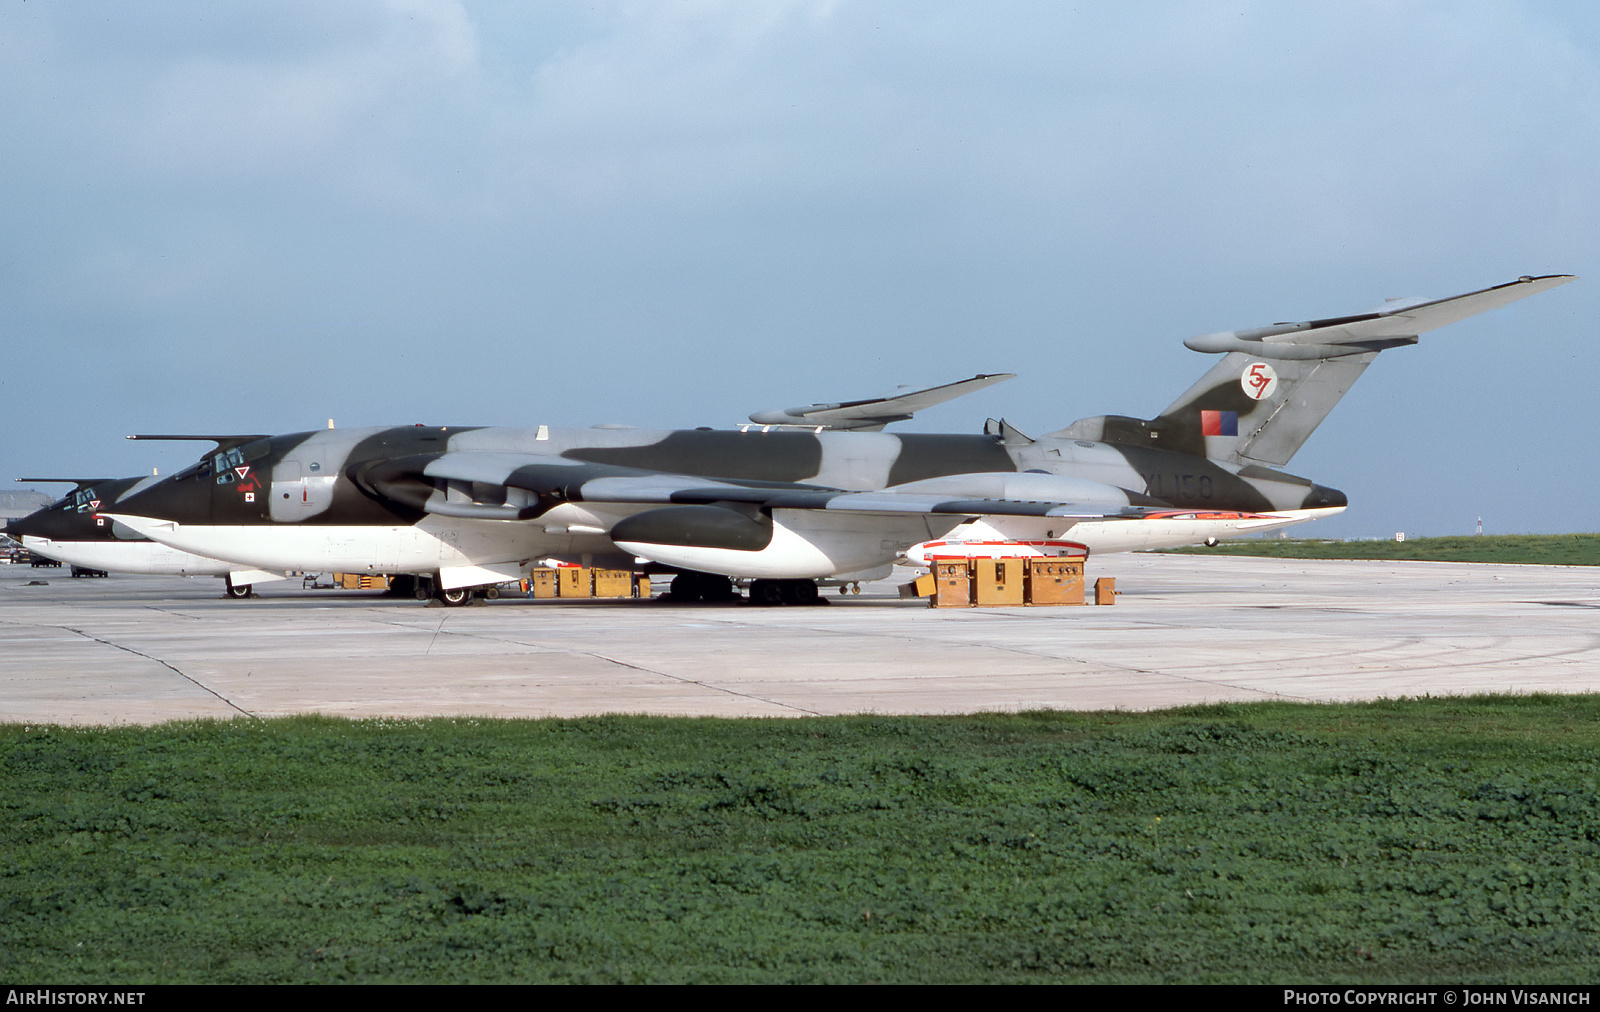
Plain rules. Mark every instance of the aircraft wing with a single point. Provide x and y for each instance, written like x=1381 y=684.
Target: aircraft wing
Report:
x=1397 y=322
x=762 y=529
x=873 y=414
x=482 y=485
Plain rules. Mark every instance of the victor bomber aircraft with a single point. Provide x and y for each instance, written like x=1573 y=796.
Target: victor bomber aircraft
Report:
x=806 y=494
x=73 y=530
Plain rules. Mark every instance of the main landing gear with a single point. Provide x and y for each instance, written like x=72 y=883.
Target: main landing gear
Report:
x=237 y=591
x=691 y=586
x=773 y=592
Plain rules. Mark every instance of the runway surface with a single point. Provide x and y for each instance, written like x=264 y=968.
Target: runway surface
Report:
x=1185 y=629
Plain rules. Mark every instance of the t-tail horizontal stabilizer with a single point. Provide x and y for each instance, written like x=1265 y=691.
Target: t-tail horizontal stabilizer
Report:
x=872 y=415
x=80 y=482
x=1276 y=384
x=1396 y=323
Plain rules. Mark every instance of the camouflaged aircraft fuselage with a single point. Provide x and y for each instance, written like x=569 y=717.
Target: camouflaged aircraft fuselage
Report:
x=75 y=530
x=375 y=484
x=478 y=505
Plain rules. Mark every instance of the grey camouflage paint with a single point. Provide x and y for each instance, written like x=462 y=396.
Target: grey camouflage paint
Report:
x=1107 y=467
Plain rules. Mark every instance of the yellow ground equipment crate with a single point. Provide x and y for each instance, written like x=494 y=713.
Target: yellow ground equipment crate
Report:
x=1105 y=590
x=1003 y=582
x=997 y=583
x=1055 y=581
x=574 y=581
x=360 y=581
x=952 y=584
x=579 y=581
x=612 y=583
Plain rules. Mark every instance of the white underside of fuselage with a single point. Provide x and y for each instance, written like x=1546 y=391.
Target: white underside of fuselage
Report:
x=434 y=544
x=144 y=557
x=804 y=546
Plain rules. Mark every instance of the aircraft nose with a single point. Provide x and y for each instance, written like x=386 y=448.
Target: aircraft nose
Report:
x=16 y=527
x=1323 y=497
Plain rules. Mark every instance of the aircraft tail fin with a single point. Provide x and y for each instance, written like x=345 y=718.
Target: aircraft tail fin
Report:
x=1276 y=384
x=1250 y=410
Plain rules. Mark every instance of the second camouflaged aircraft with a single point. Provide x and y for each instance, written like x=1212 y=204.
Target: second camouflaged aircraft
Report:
x=72 y=530
x=786 y=504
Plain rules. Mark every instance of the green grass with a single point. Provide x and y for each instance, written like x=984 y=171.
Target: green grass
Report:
x=1540 y=549
x=1414 y=840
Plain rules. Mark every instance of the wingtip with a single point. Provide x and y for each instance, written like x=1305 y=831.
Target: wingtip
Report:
x=1554 y=279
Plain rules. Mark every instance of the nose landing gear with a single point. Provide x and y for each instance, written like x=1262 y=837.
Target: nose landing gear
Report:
x=455 y=597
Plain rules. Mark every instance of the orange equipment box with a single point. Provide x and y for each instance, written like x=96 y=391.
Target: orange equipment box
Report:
x=952 y=584
x=574 y=581
x=1055 y=581
x=997 y=583
x=360 y=581
x=1105 y=590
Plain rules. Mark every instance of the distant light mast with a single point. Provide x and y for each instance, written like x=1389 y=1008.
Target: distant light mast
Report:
x=1479 y=531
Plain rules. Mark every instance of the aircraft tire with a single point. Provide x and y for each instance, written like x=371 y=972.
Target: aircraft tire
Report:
x=455 y=597
x=799 y=592
x=238 y=591
x=766 y=593
x=692 y=586
x=686 y=587
x=717 y=588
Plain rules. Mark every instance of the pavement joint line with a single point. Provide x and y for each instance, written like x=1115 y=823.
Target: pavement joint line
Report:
x=696 y=681
x=179 y=672
x=1111 y=665
x=436 y=633
x=619 y=663
x=174 y=614
x=1215 y=628
x=1126 y=668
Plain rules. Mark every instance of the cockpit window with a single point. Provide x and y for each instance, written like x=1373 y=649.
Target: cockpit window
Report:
x=225 y=462
x=81 y=501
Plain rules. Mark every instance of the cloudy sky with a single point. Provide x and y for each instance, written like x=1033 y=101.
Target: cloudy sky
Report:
x=252 y=217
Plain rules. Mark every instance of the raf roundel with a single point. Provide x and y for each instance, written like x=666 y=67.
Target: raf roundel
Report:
x=1259 y=381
